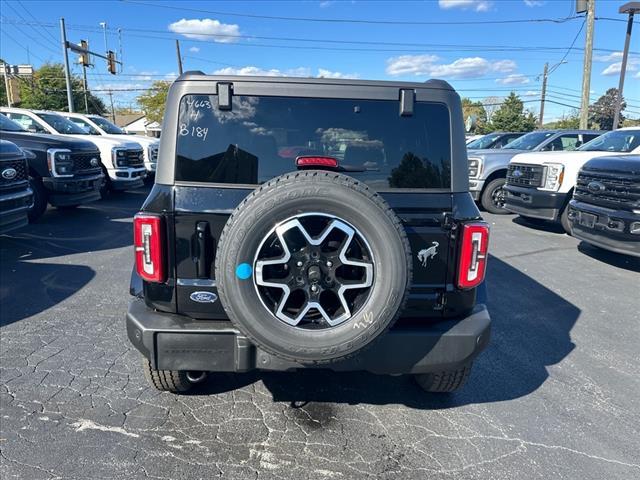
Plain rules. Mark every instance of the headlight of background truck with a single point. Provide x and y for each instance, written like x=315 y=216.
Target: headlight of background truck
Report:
x=119 y=157
x=475 y=167
x=59 y=162
x=553 y=175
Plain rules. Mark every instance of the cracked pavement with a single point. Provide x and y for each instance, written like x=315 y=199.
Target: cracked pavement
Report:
x=556 y=395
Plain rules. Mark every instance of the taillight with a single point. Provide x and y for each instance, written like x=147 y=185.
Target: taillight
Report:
x=316 y=161
x=148 y=241
x=473 y=254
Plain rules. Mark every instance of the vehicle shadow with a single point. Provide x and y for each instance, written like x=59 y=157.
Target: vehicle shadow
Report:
x=537 y=224
x=28 y=285
x=531 y=328
x=614 y=259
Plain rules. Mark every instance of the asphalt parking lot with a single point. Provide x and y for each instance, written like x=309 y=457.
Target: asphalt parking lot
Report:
x=556 y=395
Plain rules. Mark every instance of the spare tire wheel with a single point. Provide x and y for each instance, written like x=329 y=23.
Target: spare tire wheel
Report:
x=313 y=266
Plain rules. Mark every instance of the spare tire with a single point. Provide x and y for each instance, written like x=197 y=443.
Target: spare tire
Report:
x=313 y=266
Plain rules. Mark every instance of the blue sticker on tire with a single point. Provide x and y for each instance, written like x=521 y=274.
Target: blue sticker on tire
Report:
x=244 y=271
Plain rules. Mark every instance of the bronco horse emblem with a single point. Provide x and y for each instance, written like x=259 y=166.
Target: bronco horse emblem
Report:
x=427 y=253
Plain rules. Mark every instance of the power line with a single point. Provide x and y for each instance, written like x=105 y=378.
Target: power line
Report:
x=557 y=65
x=21 y=45
x=52 y=37
x=361 y=21
x=23 y=32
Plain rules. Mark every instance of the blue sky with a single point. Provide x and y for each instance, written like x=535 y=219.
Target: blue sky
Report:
x=481 y=60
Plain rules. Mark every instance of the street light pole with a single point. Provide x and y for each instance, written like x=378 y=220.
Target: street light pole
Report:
x=67 y=73
x=629 y=8
x=544 y=94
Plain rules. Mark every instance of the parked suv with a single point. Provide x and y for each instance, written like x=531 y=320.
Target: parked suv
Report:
x=122 y=160
x=97 y=125
x=63 y=171
x=488 y=168
x=605 y=210
x=540 y=185
x=309 y=223
x=493 y=140
x=16 y=198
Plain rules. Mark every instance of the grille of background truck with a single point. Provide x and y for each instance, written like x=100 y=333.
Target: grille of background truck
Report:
x=531 y=175
x=135 y=158
x=620 y=191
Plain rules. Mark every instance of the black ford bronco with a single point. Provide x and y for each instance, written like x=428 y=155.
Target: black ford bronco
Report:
x=309 y=223
x=64 y=172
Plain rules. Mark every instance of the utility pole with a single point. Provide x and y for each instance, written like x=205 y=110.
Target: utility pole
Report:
x=84 y=88
x=179 y=56
x=629 y=8
x=5 y=68
x=113 y=112
x=120 y=49
x=544 y=94
x=586 y=70
x=67 y=73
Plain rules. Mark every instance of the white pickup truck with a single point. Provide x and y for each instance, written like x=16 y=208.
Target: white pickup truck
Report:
x=97 y=125
x=122 y=159
x=540 y=184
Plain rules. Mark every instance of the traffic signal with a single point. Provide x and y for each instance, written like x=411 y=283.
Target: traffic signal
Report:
x=111 y=62
x=83 y=59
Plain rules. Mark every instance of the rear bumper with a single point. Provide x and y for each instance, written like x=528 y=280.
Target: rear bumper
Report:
x=73 y=191
x=176 y=342
x=14 y=208
x=611 y=229
x=534 y=203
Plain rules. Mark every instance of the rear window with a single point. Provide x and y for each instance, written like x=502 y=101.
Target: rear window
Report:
x=261 y=137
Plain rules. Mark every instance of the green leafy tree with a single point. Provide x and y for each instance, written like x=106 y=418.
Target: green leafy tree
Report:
x=154 y=99
x=511 y=116
x=475 y=109
x=567 y=121
x=47 y=90
x=602 y=112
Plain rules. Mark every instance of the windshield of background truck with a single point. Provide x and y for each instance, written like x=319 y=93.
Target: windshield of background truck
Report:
x=483 y=142
x=529 y=141
x=9 y=125
x=107 y=126
x=61 y=124
x=261 y=137
x=623 y=141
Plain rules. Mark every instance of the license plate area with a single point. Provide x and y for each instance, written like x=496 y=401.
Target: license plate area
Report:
x=588 y=220
x=196 y=351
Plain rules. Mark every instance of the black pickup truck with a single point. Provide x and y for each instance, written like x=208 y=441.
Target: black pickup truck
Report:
x=605 y=210
x=63 y=172
x=16 y=198
x=309 y=223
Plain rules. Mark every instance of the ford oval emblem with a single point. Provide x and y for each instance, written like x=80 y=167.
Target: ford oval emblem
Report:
x=94 y=162
x=596 y=187
x=203 y=297
x=9 y=173
x=517 y=173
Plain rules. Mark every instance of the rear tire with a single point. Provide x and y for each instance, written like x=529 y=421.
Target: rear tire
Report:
x=174 y=381
x=443 y=382
x=492 y=199
x=39 y=199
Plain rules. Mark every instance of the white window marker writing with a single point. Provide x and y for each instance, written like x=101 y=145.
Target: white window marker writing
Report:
x=194 y=131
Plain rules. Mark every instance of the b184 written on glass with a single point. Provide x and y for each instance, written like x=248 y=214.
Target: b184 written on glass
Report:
x=193 y=131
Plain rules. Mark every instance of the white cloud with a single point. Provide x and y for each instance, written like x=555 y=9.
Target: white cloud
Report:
x=615 y=68
x=326 y=3
x=504 y=66
x=426 y=65
x=324 y=73
x=194 y=49
x=513 y=79
x=534 y=3
x=415 y=64
x=206 y=29
x=275 y=72
x=477 y=5
x=531 y=93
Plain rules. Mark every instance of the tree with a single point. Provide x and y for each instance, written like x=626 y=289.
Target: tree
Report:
x=154 y=99
x=47 y=90
x=511 y=116
x=567 y=121
x=602 y=112
x=475 y=109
